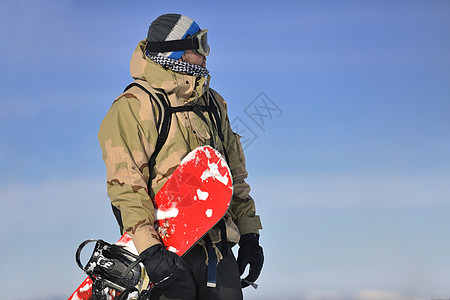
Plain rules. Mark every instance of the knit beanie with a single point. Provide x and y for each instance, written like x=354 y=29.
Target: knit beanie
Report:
x=171 y=27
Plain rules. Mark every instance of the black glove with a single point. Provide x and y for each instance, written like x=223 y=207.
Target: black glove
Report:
x=162 y=265
x=250 y=252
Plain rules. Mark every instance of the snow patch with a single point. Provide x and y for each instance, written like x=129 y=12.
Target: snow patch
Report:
x=213 y=171
x=208 y=155
x=165 y=214
x=223 y=164
x=202 y=195
x=172 y=249
x=75 y=297
x=86 y=287
x=128 y=244
x=209 y=213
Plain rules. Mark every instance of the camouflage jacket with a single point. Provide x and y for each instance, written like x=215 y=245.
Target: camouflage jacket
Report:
x=128 y=136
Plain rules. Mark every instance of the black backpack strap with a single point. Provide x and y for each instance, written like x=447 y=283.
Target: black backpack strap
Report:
x=198 y=110
x=190 y=108
x=215 y=115
x=162 y=123
x=164 y=120
x=162 y=126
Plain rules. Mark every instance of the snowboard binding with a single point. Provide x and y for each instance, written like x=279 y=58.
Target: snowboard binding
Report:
x=113 y=270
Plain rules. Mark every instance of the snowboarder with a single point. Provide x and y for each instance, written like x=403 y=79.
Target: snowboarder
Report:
x=165 y=113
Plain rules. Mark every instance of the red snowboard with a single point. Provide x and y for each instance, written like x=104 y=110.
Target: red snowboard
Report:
x=190 y=203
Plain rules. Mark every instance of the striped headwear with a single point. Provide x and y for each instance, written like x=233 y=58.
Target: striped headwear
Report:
x=171 y=27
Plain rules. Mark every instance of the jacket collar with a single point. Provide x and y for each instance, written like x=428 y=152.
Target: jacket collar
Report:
x=187 y=88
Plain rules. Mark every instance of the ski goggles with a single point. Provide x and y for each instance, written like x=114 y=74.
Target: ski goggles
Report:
x=197 y=43
x=202 y=39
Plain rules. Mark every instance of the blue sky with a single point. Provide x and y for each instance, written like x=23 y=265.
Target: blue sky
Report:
x=350 y=174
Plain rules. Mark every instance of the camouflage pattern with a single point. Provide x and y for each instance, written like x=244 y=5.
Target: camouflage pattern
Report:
x=128 y=137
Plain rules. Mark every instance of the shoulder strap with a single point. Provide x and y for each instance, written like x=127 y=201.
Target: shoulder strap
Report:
x=215 y=112
x=164 y=120
x=215 y=115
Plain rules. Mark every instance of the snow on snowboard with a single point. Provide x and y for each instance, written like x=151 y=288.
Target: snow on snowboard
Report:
x=190 y=203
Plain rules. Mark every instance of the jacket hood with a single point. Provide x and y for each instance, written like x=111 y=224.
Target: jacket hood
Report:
x=186 y=87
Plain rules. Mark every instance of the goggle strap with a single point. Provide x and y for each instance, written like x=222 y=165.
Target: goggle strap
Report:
x=176 y=45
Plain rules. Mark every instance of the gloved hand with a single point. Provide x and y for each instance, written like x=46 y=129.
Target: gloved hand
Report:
x=250 y=253
x=162 y=265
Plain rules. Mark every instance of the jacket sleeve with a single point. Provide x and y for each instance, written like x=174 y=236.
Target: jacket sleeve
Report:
x=242 y=207
x=127 y=137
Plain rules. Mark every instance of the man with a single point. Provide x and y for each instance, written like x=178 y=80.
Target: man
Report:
x=171 y=64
